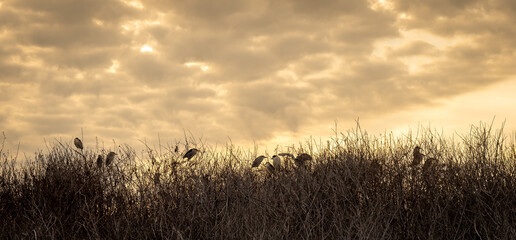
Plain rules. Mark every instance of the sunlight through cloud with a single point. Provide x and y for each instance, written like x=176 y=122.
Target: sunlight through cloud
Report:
x=135 y=4
x=201 y=65
x=146 y=48
x=114 y=66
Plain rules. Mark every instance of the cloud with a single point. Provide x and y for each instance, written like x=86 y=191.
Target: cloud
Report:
x=249 y=70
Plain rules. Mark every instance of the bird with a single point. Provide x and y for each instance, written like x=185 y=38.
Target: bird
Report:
x=78 y=143
x=176 y=149
x=191 y=153
x=110 y=157
x=99 y=161
x=257 y=161
x=269 y=167
x=302 y=158
x=276 y=161
x=418 y=156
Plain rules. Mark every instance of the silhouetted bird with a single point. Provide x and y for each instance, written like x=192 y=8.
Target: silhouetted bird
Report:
x=110 y=157
x=191 y=153
x=269 y=167
x=302 y=158
x=78 y=143
x=276 y=161
x=257 y=161
x=99 y=161
x=176 y=149
x=418 y=156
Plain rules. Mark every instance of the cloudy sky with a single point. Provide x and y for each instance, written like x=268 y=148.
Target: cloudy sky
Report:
x=254 y=71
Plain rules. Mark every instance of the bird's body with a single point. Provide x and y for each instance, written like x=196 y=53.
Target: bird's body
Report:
x=257 y=161
x=269 y=166
x=78 y=143
x=191 y=153
x=302 y=158
x=110 y=157
x=418 y=156
x=99 y=161
x=276 y=161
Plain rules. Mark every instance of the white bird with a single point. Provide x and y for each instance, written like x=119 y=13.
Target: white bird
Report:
x=110 y=157
x=276 y=161
x=418 y=156
x=191 y=153
x=257 y=161
x=78 y=143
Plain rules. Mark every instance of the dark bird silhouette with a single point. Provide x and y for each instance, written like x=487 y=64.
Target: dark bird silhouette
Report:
x=110 y=157
x=257 y=161
x=176 y=149
x=78 y=143
x=191 y=153
x=269 y=166
x=418 y=156
x=276 y=161
x=99 y=161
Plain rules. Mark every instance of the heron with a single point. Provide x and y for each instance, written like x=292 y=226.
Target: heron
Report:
x=418 y=156
x=110 y=157
x=99 y=161
x=269 y=167
x=302 y=158
x=257 y=161
x=78 y=143
x=191 y=153
x=276 y=161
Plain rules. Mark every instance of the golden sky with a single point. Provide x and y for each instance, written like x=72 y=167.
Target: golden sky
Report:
x=253 y=71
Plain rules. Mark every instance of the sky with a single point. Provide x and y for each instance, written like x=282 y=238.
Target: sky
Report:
x=250 y=72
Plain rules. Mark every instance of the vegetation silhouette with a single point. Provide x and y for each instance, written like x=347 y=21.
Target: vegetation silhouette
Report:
x=353 y=186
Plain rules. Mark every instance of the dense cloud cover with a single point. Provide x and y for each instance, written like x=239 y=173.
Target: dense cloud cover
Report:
x=248 y=70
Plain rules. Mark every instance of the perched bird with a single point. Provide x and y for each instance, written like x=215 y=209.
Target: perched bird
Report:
x=257 y=161
x=269 y=167
x=302 y=158
x=78 y=143
x=418 y=156
x=99 y=161
x=176 y=149
x=276 y=161
x=286 y=155
x=191 y=153
x=110 y=157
